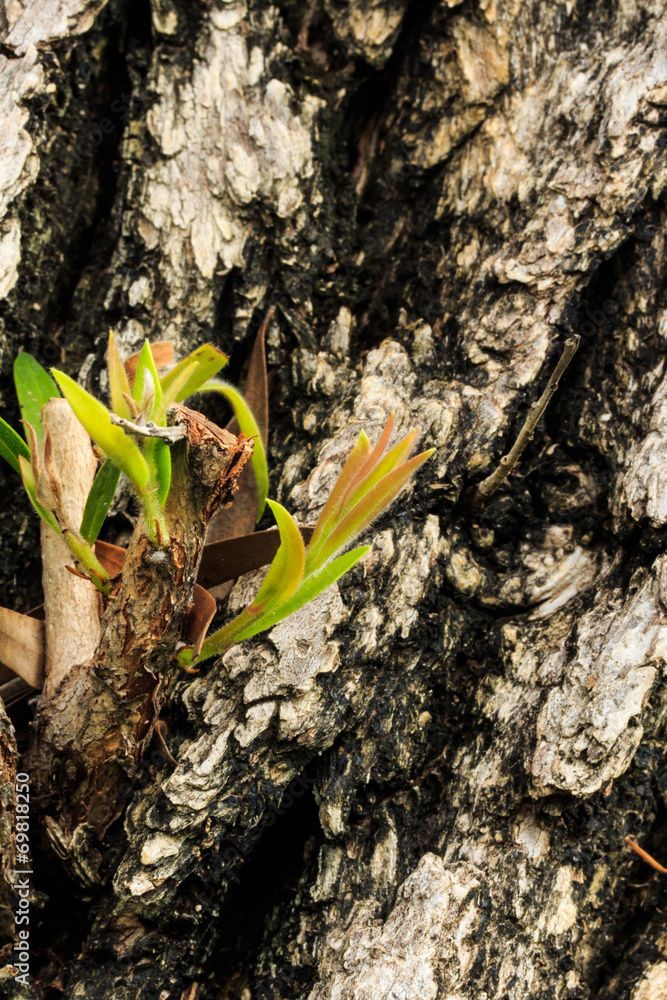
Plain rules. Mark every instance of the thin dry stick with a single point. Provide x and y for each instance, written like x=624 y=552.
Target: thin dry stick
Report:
x=645 y=855
x=507 y=462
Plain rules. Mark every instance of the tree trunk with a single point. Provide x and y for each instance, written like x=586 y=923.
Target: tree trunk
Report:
x=420 y=785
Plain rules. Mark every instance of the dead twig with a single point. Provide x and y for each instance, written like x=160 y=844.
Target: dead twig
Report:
x=645 y=855
x=170 y=435
x=507 y=462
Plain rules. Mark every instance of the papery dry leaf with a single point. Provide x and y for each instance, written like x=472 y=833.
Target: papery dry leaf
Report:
x=232 y=557
x=239 y=519
x=199 y=617
x=22 y=646
x=163 y=355
x=111 y=556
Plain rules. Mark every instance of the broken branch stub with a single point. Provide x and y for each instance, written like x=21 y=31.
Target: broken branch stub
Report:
x=70 y=602
x=104 y=712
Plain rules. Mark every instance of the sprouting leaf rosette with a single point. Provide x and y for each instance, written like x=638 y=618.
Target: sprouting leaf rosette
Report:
x=140 y=398
x=133 y=437
x=368 y=483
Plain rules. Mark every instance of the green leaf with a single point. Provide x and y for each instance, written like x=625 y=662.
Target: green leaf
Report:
x=147 y=391
x=116 y=445
x=99 y=500
x=119 y=384
x=208 y=361
x=12 y=445
x=30 y=487
x=34 y=388
x=368 y=508
x=312 y=586
x=170 y=394
x=356 y=461
x=250 y=428
x=283 y=578
x=286 y=570
x=158 y=456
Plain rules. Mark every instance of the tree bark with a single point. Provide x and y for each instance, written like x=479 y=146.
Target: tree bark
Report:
x=420 y=785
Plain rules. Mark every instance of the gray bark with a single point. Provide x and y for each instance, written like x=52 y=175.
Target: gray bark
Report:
x=420 y=785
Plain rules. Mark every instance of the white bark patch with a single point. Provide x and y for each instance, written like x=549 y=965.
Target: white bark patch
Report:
x=410 y=576
x=10 y=254
x=578 y=194
x=432 y=927
x=560 y=911
x=304 y=650
x=257 y=720
x=338 y=335
x=549 y=576
x=197 y=779
x=531 y=837
x=158 y=847
x=653 y=986
x=33 y=22
x=643 y=488
x=367 y=27
x=330 y=863
x=19 y=78
x=226 y=144
x=29 y=23
x=385 y=858
x=588 y=730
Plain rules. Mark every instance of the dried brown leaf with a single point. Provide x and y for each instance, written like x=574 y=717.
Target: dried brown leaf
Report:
x=22 y=646
x=163 y=355
x=232 y=557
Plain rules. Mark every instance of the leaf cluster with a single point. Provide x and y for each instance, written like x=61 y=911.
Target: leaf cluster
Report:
x=368 y=483
x=132 y=437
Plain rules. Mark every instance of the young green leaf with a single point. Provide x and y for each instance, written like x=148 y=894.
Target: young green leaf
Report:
x=99 y=500
x=34 y=388
x=356 y=461
x=147 y=391
x=173 y=392
x=286 y=570
x=208 y=361
x=370 y=477
x=12 y=445
x=158 y=456
x=282 y=580
x=368 y=508
x=119 y=384
x=28 y=477
x=250 y=428
x=367 y=484
x=116 y=445
x=376 y=454
x=244 y=626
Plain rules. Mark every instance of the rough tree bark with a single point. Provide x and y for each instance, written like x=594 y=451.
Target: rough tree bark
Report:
x=420 y=786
